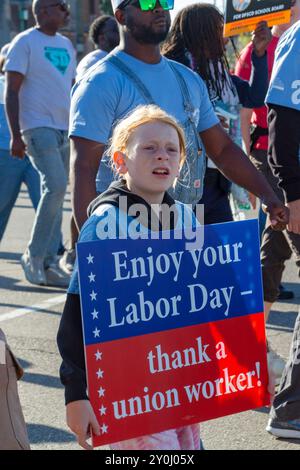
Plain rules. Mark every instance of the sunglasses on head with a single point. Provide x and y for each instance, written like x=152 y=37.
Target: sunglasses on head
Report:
x=148 y=5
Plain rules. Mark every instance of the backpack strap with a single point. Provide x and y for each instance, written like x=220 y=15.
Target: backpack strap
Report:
x=187 y=102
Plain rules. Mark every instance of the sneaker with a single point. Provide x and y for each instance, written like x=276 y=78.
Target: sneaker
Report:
x=285 y=429
x=276 y=365
x=33 y=269
x=285 y=294
x=66 y=262
x=56 y=277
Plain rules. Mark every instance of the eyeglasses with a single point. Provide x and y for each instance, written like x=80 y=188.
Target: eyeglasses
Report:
x=63 y=6
x=148 y=5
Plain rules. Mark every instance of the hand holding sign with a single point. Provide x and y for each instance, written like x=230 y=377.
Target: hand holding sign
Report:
x=261 y=38
x=81 y=419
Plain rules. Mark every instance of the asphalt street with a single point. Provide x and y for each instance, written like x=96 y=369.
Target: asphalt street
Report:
x=30 y=315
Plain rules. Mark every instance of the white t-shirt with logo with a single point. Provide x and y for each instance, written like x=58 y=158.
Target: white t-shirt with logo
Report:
x=48 y=64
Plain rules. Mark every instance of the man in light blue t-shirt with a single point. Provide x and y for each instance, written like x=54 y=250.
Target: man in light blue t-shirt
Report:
x=104 y=33
x=136 y=73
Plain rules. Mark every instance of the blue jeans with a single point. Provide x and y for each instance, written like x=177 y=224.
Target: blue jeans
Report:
x=13 y=173
x=48 y=150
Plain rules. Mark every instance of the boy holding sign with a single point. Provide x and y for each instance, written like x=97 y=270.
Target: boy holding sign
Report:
x=148 y=150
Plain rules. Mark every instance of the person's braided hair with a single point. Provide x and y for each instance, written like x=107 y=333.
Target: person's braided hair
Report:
x=197 y=30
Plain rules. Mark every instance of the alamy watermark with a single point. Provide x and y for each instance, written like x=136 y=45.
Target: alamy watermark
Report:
x=154 y=222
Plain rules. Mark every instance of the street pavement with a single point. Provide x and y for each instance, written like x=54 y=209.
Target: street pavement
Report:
x=29 y=315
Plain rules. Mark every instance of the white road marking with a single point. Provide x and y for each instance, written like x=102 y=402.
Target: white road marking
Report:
x=20 y=312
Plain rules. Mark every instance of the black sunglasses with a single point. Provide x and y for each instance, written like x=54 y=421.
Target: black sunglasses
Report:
x=147 y=5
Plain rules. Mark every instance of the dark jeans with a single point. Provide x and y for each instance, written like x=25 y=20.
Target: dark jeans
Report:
x=276 y=247
x=216 y=198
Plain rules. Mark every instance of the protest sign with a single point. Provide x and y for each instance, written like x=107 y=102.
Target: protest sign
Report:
x=242 y=16
x=173 y=336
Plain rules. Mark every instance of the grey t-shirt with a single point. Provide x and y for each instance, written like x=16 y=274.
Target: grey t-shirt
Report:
x=48 y=64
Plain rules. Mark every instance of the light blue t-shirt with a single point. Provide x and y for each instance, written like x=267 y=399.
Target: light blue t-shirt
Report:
x=284 y=88
x=104 y=95
x=4 y=130
x=88 y=61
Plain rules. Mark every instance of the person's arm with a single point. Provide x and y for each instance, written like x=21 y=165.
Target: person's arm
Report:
x=284 y=124
x=80 y=415
x=236 y=166
x=72 y=370
x=14 y=82
x=85 y=159
x=245 y=117
x=252 y=93
x=243 y=70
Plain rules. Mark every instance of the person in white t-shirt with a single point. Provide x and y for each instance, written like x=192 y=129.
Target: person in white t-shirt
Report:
x=104 y=33
x=40 y=70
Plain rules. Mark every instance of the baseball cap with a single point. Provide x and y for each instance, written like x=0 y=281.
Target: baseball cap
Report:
x=116 y=3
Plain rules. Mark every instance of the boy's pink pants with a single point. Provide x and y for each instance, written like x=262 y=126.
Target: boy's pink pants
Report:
x=186 y=438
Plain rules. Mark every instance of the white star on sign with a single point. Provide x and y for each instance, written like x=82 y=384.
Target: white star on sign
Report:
x=104 y=429
x=95 y=314
x=100 y=374
x=101 y=392
x=90 y=259
x=102 y=410
x=93 y=296
x=92 y=277
x=96 y=333
x=98 y=355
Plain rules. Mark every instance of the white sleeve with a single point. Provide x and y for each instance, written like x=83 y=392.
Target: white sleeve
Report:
x=18 y=56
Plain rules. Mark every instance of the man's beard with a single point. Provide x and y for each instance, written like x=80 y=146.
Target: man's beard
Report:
x=145 y=34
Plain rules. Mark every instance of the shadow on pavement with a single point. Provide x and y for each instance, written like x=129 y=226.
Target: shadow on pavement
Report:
x=40 y=433
x=41 y=379
x=282 y=321
x=10 y=256
x=264 y=410
x=11 y=283
x=25 y=364
x=40 y=310
x=291 y=441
